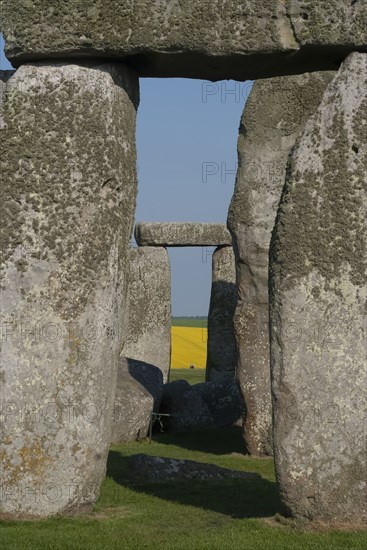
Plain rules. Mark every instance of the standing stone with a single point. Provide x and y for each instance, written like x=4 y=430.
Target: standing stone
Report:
x=275 y=113
x=318 y=309
x=68 y=185
x=222 y=350
x=148 y=336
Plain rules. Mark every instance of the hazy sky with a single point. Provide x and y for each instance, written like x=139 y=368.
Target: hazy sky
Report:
x=187 y=136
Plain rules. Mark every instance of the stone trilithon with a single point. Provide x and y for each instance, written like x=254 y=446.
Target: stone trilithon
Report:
x=68 y=191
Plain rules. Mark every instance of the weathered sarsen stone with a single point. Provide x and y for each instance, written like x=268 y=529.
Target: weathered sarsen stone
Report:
x=139 y=390
x=185 y=38
x=142 y=468
x=68 y=184
x=222 y=349
x=318 y=309
x=276 y=112
x=182 y=234
x=148 y=337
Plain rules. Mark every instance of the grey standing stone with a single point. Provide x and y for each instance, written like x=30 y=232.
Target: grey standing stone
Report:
x=209 y=39
x=148 y=337
x=275 y=114
x=222 y=349
x=139 y=391
x=182 y=234
x=68 y=185
x=318 y=309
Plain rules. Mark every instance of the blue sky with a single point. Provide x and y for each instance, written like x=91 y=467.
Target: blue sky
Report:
x=187 y=138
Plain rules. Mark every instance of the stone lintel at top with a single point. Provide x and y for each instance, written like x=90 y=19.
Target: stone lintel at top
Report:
x=189 y=38
x=182 y=234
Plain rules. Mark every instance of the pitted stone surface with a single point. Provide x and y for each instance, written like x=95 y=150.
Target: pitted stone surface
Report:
x=182 y=234
x=68 y=183
x=4 y=77
x=148 y=337
x=222 y=350
x=318 y=316
x=139 y=391
x=209 y=39
x=275 y=114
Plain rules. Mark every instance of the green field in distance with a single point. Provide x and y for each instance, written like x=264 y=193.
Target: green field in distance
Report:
x=190 y=322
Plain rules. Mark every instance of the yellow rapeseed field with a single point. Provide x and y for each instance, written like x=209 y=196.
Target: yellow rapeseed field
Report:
x=188 y=347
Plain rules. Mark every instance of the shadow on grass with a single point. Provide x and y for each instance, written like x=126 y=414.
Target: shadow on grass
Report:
x=216 y=441
x=240 y=498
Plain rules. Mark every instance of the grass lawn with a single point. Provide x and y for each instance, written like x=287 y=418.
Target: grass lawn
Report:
x=193 y=376
x=181 y=516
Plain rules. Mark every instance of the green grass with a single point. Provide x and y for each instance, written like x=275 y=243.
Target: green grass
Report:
x=193 y=322
x=193 y=376
x=181 y=516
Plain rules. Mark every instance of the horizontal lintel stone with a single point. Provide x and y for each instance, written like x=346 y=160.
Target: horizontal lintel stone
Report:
x=187 y=38
x=182 y=234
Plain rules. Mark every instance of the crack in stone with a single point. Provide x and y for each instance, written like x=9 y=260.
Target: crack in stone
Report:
x=288 y=12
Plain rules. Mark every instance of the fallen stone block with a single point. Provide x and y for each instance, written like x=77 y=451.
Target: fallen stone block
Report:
x=186 y=408
x=144 y=468
x=202 y=405
x=139 y=391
